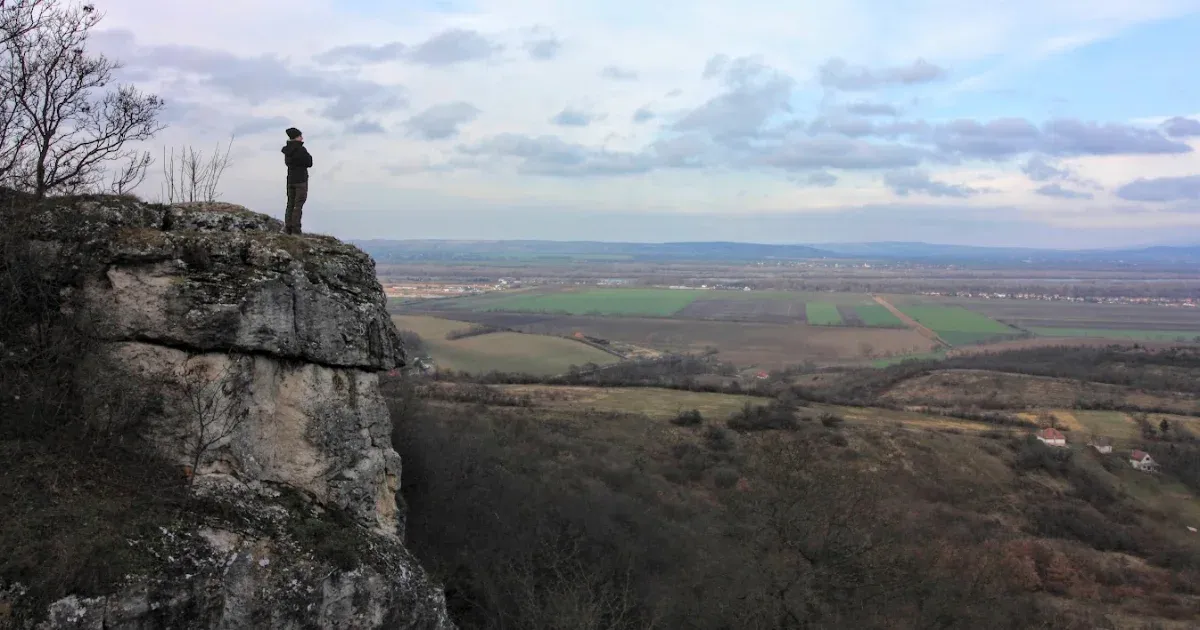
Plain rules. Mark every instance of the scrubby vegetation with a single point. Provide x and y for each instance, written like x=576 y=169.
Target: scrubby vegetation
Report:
x=587 y=519
x=73 y=488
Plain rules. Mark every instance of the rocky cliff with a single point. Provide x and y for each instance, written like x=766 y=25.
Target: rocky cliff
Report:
x=263 y=351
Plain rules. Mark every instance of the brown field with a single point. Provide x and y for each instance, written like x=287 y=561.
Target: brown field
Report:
x=745 y=344
x=849 y=315
x=769 y=311
x=505 y=351
x=664 y=404
x=1017 y=391
x=1027 y=313
x=1040 y=342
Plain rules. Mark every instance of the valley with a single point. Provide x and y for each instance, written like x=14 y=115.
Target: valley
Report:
x=663 y=414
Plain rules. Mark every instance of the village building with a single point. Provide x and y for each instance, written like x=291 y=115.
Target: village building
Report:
x=1052 y=437
x=1141 y=460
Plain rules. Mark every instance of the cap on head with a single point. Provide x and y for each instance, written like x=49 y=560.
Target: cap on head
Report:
x=293 y=133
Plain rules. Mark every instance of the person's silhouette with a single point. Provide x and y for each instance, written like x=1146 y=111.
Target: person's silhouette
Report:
x=298 y=161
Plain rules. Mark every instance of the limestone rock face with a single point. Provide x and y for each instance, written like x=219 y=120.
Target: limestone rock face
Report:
x=217 y=277
x=261 y=422
x=264 y=350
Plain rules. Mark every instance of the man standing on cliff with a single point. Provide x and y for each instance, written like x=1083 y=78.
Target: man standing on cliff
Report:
x=298 y=161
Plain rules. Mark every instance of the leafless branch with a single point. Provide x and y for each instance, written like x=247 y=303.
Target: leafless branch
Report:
x=212 y=413
x=18 y=17
x=131 y=175
x=192 y=176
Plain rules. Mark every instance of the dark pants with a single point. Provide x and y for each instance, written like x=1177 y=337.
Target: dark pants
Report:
x=297 y=194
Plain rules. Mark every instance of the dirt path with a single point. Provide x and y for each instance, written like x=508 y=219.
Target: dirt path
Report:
x=910 y=322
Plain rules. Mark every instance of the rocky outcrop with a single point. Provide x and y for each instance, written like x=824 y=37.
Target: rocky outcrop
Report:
x=216 y=277
x=264 y=351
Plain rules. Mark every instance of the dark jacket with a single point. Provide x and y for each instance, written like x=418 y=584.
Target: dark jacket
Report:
x=298 y=161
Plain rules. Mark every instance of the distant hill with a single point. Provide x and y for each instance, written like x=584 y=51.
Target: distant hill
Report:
x=395 y=251
x=410 y=250
x=927 y=251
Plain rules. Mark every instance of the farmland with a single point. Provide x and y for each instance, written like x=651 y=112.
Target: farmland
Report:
x=823 y=314
x=1063 y=315
x=502 y=351
x=654 y=302
x=771 y=308
x=957 y=325
x=877 y=316
x=779 y=307
x=1118 y=333
x=770 y=329
x=762 y=345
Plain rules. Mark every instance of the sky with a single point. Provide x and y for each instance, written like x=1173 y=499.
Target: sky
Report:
x=1048 y=123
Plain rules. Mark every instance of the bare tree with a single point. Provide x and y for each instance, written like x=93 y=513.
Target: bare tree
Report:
x=211 y=411
x=61 y=123
x=192 y=176
x=18 y=17
x=130 y=175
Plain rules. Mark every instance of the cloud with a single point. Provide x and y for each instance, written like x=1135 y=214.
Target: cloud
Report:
x=258 y=124
x=715 y=66
x=804 y=153
x=872 y=109
x=754 y=93
x=441 y=121
x=686 y=151
x=909 y=181
x=1056 y=190
x=355 y=54
x=573 y=118
x=1180 y=127
x=365 y=127
x=847 y=126
x=838 y=74
x=1185 y=188
x=823 y=179
x=618 y=74
x=552 y=156
x=1073 y=137
x=449 y=47
x=544 y=49
x=768 y=124
x=256 y=80
x=1004 y=138
x=453 y=46
x=1000 y=138
x=1040 y=170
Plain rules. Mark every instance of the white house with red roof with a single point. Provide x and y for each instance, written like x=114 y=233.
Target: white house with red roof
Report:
x=1141 y=460
x=1052 y=437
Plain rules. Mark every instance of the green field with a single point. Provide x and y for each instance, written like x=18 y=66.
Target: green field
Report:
x=655 y=302
x=1137 y=335
x=1113 y=424
x=877 y=316
x=541 y=355
x=822 y=314
x=957 y=325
